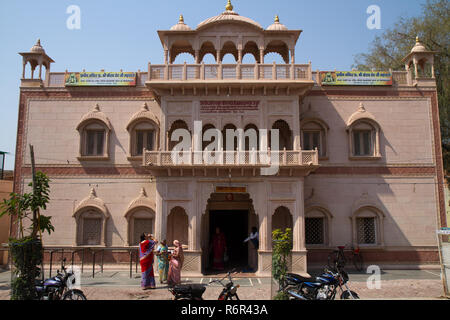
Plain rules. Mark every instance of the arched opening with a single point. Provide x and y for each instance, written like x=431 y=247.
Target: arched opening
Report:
x=229 y=48
x=285 y=135
x=178 y=124
x=184 y=57
x=282 y=219
x=177 y=226
x=143 y=134
x=179 y=47
x=90 y=222
x=272 y=57
x=234 y=216
x=228 y=145
x=250 y=53
x=368 y=226
x=251 y=137
x=314 y=135
x=205 y=128
x=209 y=58
x=207 y=48
x=280 y=47
x=317 y=226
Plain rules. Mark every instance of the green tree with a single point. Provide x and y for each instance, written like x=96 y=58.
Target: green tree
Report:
x=433 y=29
x=26 y=250
x=282 y=246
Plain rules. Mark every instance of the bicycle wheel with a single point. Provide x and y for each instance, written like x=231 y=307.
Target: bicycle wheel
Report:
x=358 y=261
x=332 y=259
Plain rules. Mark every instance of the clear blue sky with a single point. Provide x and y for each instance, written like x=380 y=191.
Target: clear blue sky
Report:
x=118 y=35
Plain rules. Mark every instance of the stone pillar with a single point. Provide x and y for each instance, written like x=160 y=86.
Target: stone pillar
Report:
x=197 y=56
x=298 y=262
x=166 y=56
x=23 y=70
x=218 y=60
x=261 y=56
x=160 y=232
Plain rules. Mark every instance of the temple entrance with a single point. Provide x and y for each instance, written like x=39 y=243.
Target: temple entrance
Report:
x=233 y=224
x=234 y=215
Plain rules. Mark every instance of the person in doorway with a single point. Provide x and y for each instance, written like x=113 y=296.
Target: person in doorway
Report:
x=254 y=246
x=219 y=247
x=146 y=247
x=162 y=252
x=175 y=264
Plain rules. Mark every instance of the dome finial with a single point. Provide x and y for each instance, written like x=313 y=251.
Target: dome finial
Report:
x=181 y=20
x=229 y=6
x=417 y=39
x=277 y=18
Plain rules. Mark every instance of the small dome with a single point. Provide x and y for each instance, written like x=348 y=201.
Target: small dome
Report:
x=181 y=26
x=227 y=16
x=418 y=47
x=37 y=48
x=277 y=26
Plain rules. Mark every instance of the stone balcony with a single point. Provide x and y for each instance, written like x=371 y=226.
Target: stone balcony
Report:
x=303 y=160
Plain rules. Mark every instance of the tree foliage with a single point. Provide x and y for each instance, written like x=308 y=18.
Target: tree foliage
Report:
x=433 y=29
x=26 y=250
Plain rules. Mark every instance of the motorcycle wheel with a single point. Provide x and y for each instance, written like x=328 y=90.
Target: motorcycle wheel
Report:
x=346 y=295
x=74 y=295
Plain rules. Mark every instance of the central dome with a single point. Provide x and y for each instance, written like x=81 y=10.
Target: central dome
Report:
x=228 y=15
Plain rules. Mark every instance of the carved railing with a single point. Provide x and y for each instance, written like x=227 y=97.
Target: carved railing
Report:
x=185 y=72
x=230 y=158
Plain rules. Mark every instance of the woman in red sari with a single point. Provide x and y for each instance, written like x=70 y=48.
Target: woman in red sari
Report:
x=146 y=260
x=175 y=264
x=219 y=246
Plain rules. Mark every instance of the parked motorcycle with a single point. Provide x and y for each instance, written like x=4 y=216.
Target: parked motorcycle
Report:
x=323 y=287
x=195 y=291
x=56 y=288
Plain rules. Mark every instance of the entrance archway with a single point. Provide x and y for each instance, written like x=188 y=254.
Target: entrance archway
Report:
x=234 y=215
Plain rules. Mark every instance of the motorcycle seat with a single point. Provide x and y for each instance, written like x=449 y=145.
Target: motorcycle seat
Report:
x=298 y=278
x=194 y=289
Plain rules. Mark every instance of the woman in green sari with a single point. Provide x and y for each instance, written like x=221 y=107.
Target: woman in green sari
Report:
x=163 y=261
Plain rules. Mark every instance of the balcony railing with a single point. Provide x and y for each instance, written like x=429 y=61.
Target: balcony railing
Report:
x=284 y=158
x=186 y=72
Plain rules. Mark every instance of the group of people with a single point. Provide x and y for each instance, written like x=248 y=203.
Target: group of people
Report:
x=169 y=263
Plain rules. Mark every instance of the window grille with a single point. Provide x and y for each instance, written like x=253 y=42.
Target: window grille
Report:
x=92 y=231
x=314 y=230
x=141 y=226
x=366 y=230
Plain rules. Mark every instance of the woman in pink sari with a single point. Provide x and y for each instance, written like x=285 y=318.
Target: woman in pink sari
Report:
x=175 y=265
x=146 y=260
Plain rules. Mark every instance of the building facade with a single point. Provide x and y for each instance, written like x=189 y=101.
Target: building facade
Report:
x=355 y=165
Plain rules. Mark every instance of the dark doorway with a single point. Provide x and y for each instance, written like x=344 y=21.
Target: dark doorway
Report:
x=234 y=224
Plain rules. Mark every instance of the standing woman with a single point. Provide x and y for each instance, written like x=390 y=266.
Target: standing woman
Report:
x=219 y=247
x=146 y=260
x=163 y=261
x=175 y=265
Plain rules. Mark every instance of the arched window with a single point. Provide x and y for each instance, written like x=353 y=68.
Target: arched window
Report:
x=285 y=135
x=317 y=226
x=364 y=139
x=90 y=228
x=364 y=135
x=91 y=216
x=177 y=226
x=143 y=135
x=94 y=129
x=178 y=124
x=367 y=226
x=140 y=220
x=314 y=135
x=282 y=219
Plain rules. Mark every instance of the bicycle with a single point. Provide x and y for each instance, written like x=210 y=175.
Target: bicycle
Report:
x=337 y=258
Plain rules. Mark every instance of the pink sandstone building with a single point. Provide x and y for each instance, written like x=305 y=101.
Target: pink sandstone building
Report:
x=359 y=152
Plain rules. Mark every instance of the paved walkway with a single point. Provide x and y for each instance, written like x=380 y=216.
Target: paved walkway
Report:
x=111 y=285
